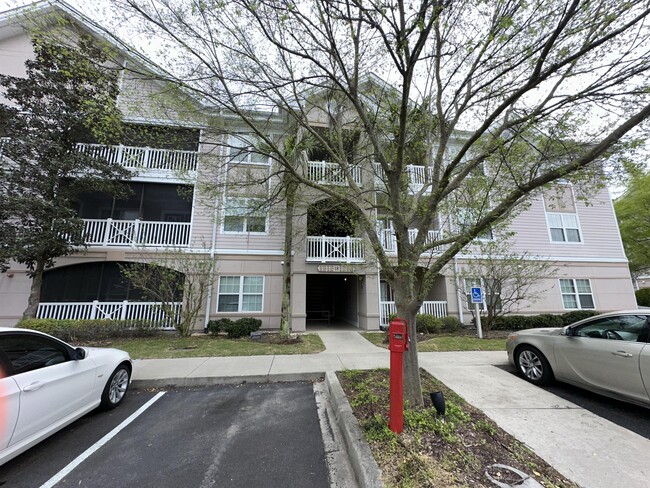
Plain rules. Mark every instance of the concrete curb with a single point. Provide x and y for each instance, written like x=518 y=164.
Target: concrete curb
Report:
x=363 y=462
x=224 y=380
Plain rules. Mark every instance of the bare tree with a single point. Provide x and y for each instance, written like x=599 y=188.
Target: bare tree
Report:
x=510 y=281
x=529 y=92
x=170 y=277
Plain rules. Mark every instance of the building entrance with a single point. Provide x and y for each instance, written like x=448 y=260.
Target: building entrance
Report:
x=332 y=300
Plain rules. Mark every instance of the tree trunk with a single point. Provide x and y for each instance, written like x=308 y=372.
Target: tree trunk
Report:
x=285 y=316
x=35 y=291
x=412 y=384
x=407 y=308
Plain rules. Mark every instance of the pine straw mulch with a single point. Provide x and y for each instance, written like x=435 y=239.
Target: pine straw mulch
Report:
x=435 y=451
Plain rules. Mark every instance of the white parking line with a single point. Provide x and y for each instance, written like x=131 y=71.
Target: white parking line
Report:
x=83 y=456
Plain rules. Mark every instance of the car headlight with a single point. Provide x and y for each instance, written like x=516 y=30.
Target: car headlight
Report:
x=512 y=336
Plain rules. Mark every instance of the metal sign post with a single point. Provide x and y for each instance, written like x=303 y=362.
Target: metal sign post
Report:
x=477 y=298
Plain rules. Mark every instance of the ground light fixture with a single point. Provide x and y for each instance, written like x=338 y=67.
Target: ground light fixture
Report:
x=438 y=400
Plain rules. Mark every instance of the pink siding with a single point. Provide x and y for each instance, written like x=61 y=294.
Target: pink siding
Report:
x=598 y=226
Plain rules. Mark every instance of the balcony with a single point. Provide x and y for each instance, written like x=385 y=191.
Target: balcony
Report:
x=95 y=310
x=389 y=241
x=418 y=176
x=325 y=173
x=144 y=159
x=386 y=309
x=326 y=249
x=140 y=233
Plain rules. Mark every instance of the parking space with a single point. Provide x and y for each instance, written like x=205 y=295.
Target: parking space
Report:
x=631 y=417
x=234 y=435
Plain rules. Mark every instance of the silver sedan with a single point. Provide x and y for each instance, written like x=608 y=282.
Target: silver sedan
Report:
x=608 y=354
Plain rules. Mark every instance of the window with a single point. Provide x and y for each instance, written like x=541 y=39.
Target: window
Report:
x=28 y=352
x=491 y=293
x=240 y=294
x=620 y=328
x=563 y=227
x=576 y=294
x=244 y=215
x=241 y=149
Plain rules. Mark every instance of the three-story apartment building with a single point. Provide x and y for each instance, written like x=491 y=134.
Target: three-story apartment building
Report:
x=187 y=196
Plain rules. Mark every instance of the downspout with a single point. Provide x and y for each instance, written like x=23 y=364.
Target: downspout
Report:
x=208 y=303
x=458 y=299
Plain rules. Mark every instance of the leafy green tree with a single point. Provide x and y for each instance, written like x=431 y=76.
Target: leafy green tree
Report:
x=68 y=96
x=529 y=91
x=633 y=213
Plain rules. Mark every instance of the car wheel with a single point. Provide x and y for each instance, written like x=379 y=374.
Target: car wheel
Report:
x=116 y=387
x=533 y=366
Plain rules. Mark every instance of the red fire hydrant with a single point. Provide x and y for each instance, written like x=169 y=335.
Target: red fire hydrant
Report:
x=397 y=344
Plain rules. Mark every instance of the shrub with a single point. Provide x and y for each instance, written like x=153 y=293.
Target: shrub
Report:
x=643 y=297
x=89 y=330
x=451 y=323
x=220 y=325
x=242 y=327
x=571 y=317
x=427 y=323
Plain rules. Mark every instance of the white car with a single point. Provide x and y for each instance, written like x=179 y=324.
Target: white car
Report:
x=608 y=354
x=46 y=384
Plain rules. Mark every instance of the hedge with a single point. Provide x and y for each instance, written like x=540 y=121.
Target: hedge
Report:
x=643 y=297
x=520 y=322
x=88 y=330
x=234 y=328
x=427 y=324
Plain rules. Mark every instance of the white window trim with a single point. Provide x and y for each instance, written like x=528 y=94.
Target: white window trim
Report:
x=232 y=144
x=243 y=232
x=241 y=294
x=579 y=228
x=577 y=294
x=576 y=214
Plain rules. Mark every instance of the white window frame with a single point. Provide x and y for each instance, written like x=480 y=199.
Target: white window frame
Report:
x=244 y=215
x=240 y=294
x=237 y=143
x=564 y=227
x=576 y=294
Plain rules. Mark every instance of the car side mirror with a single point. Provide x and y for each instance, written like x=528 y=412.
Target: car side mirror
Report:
x=567 y=332
x=79 y=353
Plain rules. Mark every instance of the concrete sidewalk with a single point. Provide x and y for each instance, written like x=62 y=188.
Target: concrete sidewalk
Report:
x=584 y=447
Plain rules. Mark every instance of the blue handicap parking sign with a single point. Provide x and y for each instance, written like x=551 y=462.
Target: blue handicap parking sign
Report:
x=477 y=295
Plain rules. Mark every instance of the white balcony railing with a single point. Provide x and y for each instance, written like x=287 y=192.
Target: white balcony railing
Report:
x=144 y=158
x=109 y=232
x=96 y=310
x=326 y=173
x=326 y=249
x=386 y=309
x=417 y=175
x=389 y=241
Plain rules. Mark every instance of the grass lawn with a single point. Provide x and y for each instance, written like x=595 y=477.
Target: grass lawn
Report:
x=447 y=343
x=209 y=346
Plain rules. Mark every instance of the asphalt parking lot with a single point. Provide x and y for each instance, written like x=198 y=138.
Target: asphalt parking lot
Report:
x=231 y=435
x=631 y=417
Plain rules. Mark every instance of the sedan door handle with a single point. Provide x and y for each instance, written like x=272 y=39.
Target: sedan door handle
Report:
x=33 y=386
x=622 y=354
